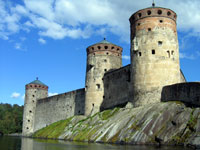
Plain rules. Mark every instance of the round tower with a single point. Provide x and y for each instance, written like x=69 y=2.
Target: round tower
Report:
x=34 y=91
x=101 y=57
x=154 y=53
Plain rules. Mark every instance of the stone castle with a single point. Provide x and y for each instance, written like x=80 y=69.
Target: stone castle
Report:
x=153 y=76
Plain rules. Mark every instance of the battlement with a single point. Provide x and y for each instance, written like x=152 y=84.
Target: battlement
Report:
x=104 y=49
x=36 y=86
x=153 y=12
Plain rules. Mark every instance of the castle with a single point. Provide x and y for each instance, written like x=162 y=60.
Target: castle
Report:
x=153 y=76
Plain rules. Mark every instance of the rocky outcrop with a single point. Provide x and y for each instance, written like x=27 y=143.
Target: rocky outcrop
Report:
x=170 y=123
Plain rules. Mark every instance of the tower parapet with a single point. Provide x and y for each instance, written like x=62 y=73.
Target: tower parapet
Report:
x=154 y=53
x=101 y=58
x=34 y=91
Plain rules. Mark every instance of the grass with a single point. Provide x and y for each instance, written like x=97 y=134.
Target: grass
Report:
x=54 y=130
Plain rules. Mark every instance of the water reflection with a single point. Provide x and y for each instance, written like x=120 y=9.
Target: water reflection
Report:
x=16 y=143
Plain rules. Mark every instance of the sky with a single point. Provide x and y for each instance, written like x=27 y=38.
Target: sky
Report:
x=48 y=39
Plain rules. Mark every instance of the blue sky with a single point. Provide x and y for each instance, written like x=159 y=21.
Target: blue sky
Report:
x=48 y=39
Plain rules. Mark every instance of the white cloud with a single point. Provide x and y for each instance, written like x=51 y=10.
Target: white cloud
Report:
x=41 y=40
x=186 y=56
x=58 y=19
x=126 y=57
x=52 y=94
x=15 y=95
x=18 y=46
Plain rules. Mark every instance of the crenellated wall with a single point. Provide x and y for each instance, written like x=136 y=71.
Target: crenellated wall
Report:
x=116 y=88
x=59 y=107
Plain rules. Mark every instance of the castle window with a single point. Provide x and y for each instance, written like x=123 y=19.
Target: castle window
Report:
x=103 y=97
x=175 y=16
x=140 y=15
x=112 y=47
x=33 y=101
x=107 y=53
x=149 y=29
x=106 y=47
x=28 y=120
x=30 y=111
x=149 y=12
x=159 y=12
x=153 y=51
x=33 y=95
x=140 y=53
x=105 y=60
x=161 y=21
x=93 y=104
x=27 y=128
x=35 y=85
x=172 y=52
x=99 y=47
x=118 y=49
x=30 y=85
x=168 y=13
x=160 y=43
x=97 y=86
x=105 y=70
x=168 y=54
x=92 y=48
x=138 y=24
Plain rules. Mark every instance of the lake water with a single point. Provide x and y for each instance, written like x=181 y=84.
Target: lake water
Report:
x=17 y=143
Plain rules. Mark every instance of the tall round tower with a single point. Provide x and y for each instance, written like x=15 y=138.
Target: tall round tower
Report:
x=154 y=53
x=34 y=91
x=101 y=57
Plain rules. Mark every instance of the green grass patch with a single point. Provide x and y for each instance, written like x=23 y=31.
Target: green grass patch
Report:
x=54 y=130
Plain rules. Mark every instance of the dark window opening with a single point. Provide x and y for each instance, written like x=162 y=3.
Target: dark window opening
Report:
x=103 y=97
x=149 y=29
x=168 y=54
x=106 y=47
x=97 y=86
x=28 y=120
x=140 y=54
x=138 y=24
x=159 y=12
x=35 y=85
x=33 y=101
x=33 y=95
x=79 y=111
x=92 y=48
x=161 y=21
x=118 y=49
x=160 y=43
x=105 y=70
x=168 y=13
x=153 y=51
x=27 y=128
x=99 y=47
x=105 y=60
x=140 y=15
x=149 y=12
x=107 y=53
x=30 y=111
x=172 y=52
x=112 y=47
x=93 y=104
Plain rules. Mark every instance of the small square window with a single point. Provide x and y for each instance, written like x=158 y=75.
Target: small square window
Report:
x=160 y=43
x=153 y=51
x=97 y=86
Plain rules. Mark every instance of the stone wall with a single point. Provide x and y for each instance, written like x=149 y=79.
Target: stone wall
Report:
x=59 y=107
x=116 y=88
x=188 y=93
